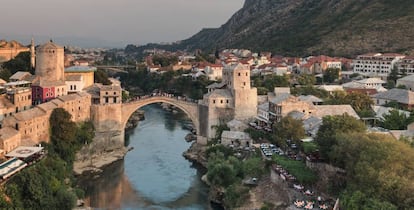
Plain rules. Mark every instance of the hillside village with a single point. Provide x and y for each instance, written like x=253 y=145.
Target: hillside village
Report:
x=368 y=88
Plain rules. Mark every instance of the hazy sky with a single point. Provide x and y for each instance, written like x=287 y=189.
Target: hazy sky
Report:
x=126 y=21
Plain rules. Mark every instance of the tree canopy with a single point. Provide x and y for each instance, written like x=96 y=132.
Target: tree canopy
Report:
x=332 y=126
x=378 y=166
x=288 y=128
x=395 y=120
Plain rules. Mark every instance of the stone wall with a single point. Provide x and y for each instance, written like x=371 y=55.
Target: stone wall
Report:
x=109 y=133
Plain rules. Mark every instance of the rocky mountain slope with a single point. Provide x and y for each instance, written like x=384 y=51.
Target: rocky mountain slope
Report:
x=304 y=27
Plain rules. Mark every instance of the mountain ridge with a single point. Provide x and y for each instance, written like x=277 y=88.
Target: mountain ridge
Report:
x=309 y=27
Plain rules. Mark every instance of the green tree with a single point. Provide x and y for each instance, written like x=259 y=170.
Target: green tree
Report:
x=333 y=125
x=221 y=174
x=235 y=196
x=377 y=166
x=394 y=120
x=310 y=91
x=393 y=76
x=289 y=128
x=358 y=200
x=253 y=167
x=306 y=80
x=360 y=102
x=331 y=75
x=101 y=77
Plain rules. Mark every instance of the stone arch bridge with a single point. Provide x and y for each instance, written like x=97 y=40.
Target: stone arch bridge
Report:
x=188 y=107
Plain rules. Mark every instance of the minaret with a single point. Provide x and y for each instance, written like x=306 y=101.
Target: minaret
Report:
x=32 y=54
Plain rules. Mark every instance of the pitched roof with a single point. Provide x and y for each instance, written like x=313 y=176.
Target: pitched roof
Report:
x=280 y=98
x=20 y=75
x=331 y=88
x=7 y=132
x=73 y=78
x=380 y=111
x=264 y=106
x=218 y=93
x=29 y=114
x=371 y=80
x=235 y=135
x=332 y=110
x=310 y=98
x=409 y=78
x=399 y=95
x=216 y=85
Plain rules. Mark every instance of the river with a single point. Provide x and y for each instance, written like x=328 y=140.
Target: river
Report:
x=154 y=175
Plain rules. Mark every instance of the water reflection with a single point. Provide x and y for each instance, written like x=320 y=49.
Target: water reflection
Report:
x=154 y=175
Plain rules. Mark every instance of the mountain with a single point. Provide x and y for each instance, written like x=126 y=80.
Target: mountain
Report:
x=305 y=27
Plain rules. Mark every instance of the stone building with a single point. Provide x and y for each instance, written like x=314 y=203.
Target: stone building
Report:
x=33 y=124
x=9 y=139
x=78 y=78
x=17 y=98
x=282 y=105
x=236 y=138
x=233 y=98
x=50 y=73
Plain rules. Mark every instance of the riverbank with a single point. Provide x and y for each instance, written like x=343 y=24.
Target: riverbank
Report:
x=270 y=190
x=97 y=163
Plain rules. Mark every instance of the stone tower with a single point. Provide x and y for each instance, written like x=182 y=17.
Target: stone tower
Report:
x=237 y=79
x=32 y=54
x=50 y=62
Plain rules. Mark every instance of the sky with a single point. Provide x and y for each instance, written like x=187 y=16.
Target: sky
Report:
x=116 y=22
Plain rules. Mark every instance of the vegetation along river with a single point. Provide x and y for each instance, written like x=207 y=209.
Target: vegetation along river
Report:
x=154 y=175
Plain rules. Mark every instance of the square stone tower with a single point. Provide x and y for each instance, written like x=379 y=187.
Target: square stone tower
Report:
x=237 y=79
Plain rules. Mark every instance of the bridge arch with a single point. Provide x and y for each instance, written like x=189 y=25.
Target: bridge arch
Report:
x=189 y=108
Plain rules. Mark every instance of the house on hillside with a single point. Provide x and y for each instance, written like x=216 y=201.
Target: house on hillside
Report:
x=404 y=98
x=407 y=82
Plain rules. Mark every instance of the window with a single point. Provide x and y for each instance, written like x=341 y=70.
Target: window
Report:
x=221 y=101
x=74 y=87
x=214 y=101
x=239 y=74
x=114 y=93
x=106 y=93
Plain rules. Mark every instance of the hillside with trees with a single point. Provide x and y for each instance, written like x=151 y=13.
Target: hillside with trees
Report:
x=305 y=27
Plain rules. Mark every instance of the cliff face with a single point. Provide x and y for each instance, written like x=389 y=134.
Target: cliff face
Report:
x=303 y=27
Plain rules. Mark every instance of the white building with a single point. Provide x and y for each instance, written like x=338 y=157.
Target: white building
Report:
x=376 y=64
x=406 y=65
x=214 y=72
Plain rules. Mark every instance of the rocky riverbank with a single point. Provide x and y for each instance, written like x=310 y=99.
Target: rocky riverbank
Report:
x=95 y=163
x=197 y=153
x=134 y=120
